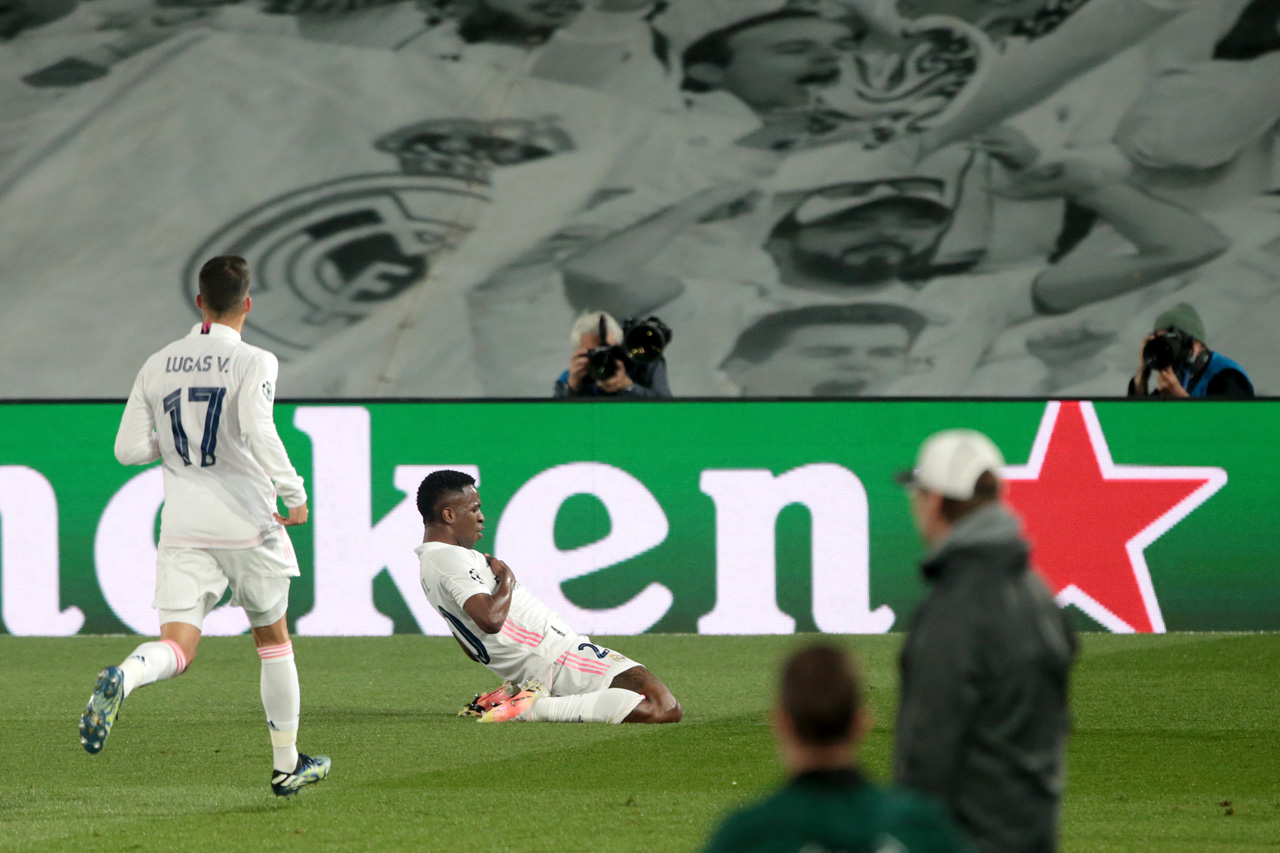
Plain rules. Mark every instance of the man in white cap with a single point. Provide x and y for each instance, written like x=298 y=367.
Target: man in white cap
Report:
x=983 y=718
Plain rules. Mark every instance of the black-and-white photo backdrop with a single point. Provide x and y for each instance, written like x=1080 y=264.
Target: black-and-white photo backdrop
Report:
x=830 y=198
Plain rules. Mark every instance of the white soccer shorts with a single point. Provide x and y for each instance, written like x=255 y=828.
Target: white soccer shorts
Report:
x=190 y=581
x=586 y=667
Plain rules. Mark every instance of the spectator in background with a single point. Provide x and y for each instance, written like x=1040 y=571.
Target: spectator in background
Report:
x=825 y=351
x=1183 y=366
x=983 y=718
x=628 y=380
x=816 y=72
x=772 y=69
x=819 y=723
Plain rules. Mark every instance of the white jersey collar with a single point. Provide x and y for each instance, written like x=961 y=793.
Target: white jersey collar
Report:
x=215 y=330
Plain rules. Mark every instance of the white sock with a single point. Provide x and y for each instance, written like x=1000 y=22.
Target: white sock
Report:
x=154 y=661
x=605 y=706
x=282 y=700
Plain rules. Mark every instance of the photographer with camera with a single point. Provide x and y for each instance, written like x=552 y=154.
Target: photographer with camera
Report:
x=616 y=361
x=1183 y=366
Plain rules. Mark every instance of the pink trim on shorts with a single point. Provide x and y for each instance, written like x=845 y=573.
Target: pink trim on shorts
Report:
x=274 y=652
x=588 y=661
x=177 y=652
x=581 y=664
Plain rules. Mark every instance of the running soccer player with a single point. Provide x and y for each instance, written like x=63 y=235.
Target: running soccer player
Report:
x=203 y=405
x=550 y=672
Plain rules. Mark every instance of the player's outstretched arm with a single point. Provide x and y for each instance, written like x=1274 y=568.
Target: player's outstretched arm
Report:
x=1169 y=239
x=611 y=276
x=257 y=421
x=136 y=442
x=489 y=610
x=1019 y=80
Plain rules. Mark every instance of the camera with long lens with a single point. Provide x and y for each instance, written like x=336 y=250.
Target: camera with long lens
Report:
x=1171 y=349
x=601 y=359
x=643 y=342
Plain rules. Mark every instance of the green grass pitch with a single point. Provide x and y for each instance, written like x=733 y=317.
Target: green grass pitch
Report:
x=1167 y=730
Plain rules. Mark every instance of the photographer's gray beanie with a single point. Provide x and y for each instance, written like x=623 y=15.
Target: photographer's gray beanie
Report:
x=1184 y=317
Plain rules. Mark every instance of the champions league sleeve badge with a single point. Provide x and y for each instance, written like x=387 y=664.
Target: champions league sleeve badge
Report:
x=324 y=257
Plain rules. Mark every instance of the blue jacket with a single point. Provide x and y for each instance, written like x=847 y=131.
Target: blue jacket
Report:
x=1217 y=364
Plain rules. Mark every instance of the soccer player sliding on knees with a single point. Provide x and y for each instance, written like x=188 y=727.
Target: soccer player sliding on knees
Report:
x=550 y=673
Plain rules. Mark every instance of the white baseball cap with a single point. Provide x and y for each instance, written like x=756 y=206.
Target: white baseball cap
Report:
x=840 y=198
x=950 y=463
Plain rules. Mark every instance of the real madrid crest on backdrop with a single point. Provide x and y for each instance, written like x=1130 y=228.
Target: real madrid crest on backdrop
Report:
x=322 y=257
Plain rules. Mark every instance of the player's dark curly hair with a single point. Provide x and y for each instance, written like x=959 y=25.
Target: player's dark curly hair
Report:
x=438 y=484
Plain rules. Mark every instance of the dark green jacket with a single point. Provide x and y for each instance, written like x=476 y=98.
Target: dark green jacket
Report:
x=982 y=723
x=838 y=811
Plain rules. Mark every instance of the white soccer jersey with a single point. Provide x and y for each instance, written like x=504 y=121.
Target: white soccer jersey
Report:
x=534 y=640
x=203 y=405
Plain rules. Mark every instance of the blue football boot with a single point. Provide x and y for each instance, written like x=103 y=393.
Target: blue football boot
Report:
x=309 y=771
x=100 y=714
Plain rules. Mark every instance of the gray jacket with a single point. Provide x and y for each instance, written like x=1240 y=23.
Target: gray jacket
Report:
x=983 y=721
